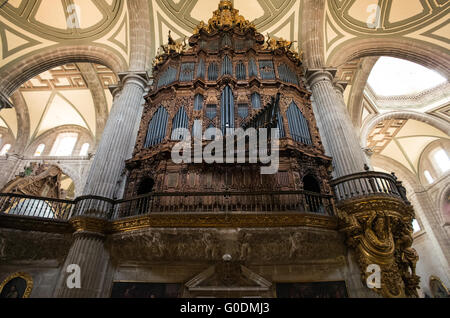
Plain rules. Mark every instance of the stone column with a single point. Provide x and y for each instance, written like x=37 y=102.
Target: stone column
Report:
x=89 y=253
x=106 y=173
x=118 y=140
x=336 y=129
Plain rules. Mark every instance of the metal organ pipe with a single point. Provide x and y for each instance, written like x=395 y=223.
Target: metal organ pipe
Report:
x=201 y=69
x=298 y=125
x=212 y=72
x=157 y=128
x=180 y=120
x=227 y=109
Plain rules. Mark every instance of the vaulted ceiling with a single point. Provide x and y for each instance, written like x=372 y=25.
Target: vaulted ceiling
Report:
x=346 y=34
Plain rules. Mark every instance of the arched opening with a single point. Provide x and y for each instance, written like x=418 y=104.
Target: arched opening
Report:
x=313 y=199
x=146 y=186
x=310 y=184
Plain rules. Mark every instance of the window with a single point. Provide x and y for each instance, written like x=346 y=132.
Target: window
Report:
x=64 y=144
x=157 y=128
x=440 y=157
x=416 y=226
x=84 y=149
x=428 y=176
x=5 y=149
x=39 y=150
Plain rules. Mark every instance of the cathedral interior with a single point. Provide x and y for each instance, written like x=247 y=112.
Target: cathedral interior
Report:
x=96 y=95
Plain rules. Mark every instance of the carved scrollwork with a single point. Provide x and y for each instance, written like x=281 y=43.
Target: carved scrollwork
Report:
x=380 y=231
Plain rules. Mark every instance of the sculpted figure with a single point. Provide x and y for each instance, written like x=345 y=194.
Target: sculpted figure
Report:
x=294 y=239
x=245 y=246
x=210 y=246
x=378 y=232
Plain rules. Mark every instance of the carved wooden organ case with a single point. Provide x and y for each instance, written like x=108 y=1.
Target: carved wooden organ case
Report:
x=226 y=77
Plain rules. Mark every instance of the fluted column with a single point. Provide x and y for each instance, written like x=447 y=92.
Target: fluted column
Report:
x=119 y=137
x=88 y=252
x=336 y=130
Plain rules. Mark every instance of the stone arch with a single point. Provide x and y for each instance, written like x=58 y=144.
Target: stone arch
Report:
x=425 y=158
x=426 y=118
x=410 y=180
x=51 y=134
x=408 y=49
x=444 y=206
x=17 y=73
x=75 y=175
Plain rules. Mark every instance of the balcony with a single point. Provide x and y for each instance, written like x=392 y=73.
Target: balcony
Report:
x=368 y=184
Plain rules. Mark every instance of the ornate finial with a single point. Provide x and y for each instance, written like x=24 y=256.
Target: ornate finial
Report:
x=225 y=17
x=281 y=46
x=172 y=47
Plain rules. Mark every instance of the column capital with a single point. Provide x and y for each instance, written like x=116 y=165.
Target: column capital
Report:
x=115 y=90
x=91 y=225
x=139 y=78
x=316 y=75
x=340 y=86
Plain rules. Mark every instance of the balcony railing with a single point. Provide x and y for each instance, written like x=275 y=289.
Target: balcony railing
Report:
x=285 y=201
x=368 y=183
x=188 y=202
x=25 y=205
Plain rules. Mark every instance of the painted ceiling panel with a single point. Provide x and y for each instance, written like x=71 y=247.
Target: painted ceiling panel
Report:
x=10 y=117
x=250 y=9
x=83 y=102
x=404 y=9
x=393 y=151
x=15 y=3
x=2 y=123
x=414 y=128
x=52 y=13
x=60 y=112
x=414 y=146
x=90 y=16
x=36 y=103
x=360 y=10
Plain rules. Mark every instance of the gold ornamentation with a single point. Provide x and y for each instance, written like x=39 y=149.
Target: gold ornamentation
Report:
x=171 y=48
x=25 y=277
x=282 y=46
x=226 y=17
x=380 y=230
x=208 y=220
x=89 y=224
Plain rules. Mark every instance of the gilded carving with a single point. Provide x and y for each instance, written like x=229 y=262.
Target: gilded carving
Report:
x=379 y=228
